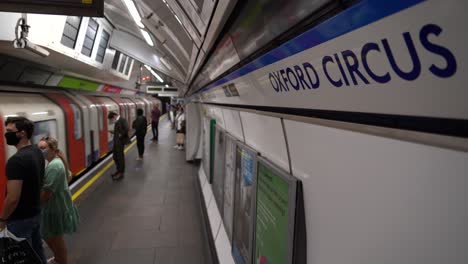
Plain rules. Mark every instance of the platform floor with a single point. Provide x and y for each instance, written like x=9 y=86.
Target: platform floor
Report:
x=152 y=216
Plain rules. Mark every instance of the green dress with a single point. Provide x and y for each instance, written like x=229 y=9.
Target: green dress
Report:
x=59 y=214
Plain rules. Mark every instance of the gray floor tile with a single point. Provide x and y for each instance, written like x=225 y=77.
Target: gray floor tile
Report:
x=152 y=216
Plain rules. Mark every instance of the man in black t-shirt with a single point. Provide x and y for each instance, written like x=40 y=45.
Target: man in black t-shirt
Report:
x=25 y=174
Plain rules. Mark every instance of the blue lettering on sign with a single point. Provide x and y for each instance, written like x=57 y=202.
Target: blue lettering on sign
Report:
x=365 y=51
x=315 y=84
x=451 y=66
x=356 y=64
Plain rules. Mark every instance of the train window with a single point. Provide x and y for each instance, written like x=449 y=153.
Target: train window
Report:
x=70 y=31
x=115 y=62
x=102 y=46
x=127 y=68
x=90 y=37
x=42 y=129
x=77 y=121
x=122 y=63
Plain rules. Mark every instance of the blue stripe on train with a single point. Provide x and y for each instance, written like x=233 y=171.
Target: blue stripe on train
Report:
x=357 y=16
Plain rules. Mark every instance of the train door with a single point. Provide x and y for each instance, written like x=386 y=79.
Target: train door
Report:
x=122 y=107
x=102 y=125
x=109 y=105
x=131 y=108
x=3 y=179
x=147 y=109
x=74 y=131
x=89 y=126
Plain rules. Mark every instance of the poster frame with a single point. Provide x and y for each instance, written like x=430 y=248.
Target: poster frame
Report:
x=234 y=140
x=292 y=195
x=206 y=152
x=221 y=130
x=256 y=155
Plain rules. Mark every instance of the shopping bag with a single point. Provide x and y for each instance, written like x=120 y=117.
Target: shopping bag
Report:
x=14 y=250
x=180 y=138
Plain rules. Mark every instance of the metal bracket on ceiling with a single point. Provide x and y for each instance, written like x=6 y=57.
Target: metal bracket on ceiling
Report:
x=21 y=38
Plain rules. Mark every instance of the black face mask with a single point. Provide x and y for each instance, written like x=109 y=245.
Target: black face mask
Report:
x=12 y=139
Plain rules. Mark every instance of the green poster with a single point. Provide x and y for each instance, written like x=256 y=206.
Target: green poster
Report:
x=75 y=83
x=272 y=217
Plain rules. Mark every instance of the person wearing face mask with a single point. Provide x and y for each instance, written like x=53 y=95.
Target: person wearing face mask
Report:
x=59 y=213
x=120 y=139
x=25 y=175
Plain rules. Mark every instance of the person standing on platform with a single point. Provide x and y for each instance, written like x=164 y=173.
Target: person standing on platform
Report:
x=141 y=126
x=155 y=115
x=59 y=213
x=121 y=138
x=180 y=132
x=25 y=174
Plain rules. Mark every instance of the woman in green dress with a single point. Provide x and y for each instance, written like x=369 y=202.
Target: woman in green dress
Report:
x=59 y=213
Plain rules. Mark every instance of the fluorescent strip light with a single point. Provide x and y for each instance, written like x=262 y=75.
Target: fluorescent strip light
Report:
x=134 y=12
x=178 y=19
x=154 y=73
x=147 y=37
x=40 y=113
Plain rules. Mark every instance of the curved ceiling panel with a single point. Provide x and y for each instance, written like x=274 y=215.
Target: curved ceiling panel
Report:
x=257 y=24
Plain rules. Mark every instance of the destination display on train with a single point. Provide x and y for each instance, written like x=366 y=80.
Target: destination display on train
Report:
x=93 y=8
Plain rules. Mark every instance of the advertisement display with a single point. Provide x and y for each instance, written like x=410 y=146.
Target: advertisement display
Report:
x=274 y=217
x=243 y=205
x=218 y=170
x=206 y=147
x=230 y=170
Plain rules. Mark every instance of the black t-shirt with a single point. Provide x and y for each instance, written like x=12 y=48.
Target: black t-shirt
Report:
x=27 y=165
x=140 y=125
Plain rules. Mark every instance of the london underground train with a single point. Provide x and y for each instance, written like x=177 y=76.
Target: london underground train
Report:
x=78 y=120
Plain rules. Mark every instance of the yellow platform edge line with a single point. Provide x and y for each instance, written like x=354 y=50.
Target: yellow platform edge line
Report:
x=98 y=175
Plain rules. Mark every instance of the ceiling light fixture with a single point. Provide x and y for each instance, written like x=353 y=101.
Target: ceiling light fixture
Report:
x=167 y=86
x=178 y=19
x=154 y=73
x=147 y=37
x=134 y=12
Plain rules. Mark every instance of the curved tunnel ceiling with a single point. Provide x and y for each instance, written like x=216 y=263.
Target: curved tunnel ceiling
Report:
x=177 y=29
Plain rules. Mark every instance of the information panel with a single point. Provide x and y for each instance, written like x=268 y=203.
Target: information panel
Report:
x=92 y=8
x=243 y=205
x=230 y=170
x=206 y=147
x=274 y=218
x=219 y=170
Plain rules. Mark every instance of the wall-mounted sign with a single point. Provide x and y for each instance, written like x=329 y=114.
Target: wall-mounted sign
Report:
x=91 y=8
x=274 y=217
x=244 y=197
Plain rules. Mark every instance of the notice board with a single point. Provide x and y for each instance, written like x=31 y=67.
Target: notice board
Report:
x=274 y=214
x=219 y=170
x=244 y=198
x=229 y=179
x=206 y=147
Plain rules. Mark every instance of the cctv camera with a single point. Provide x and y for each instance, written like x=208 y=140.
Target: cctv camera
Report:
x=28 y=45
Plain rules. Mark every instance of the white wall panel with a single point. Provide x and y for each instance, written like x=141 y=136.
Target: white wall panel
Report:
x=265 y=134
x=233 y=123
x=218 y=115
x=215 y=113
x=371 y=199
